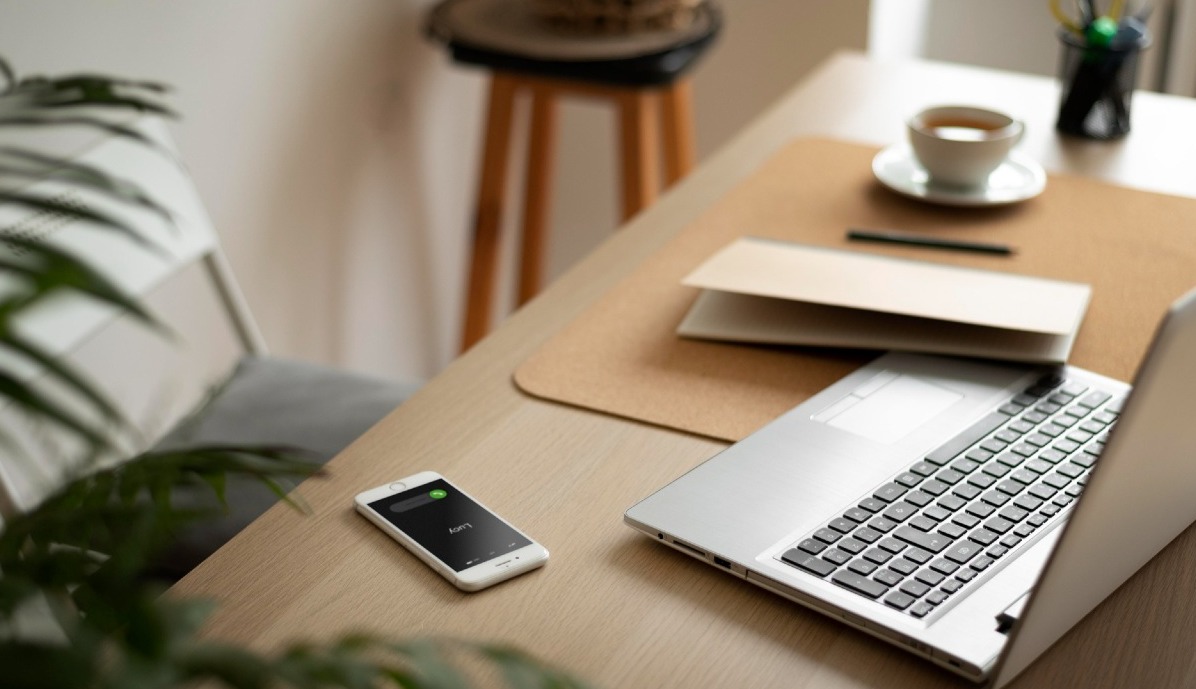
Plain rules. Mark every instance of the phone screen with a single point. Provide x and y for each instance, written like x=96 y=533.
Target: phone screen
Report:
x=457 y=530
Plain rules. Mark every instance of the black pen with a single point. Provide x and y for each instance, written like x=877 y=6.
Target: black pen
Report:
x=894 y=237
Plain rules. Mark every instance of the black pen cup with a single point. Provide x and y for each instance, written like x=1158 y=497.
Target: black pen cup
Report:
x=1098 y=83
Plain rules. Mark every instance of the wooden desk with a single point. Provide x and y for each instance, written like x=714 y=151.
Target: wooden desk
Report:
x=611 y=606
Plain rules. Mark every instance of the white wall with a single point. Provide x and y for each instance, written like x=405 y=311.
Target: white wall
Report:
x=336 y=148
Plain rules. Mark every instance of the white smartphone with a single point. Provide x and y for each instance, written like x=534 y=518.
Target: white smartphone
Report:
x=451 y=532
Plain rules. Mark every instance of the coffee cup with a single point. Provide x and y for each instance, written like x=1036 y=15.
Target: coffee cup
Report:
x=960 y=146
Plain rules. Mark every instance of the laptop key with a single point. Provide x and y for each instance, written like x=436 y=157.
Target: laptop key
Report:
x=924 y=468
x=890 y=492
x=933 y=542
x=1094 y=399
x=984 y=536
x=966 y=491
x=965 y=466
x=952 y=531
x=1052 y=456
x=1012 y=459
x=930 y=577
x=842 y=525
x=1057 y=480
x=852 y=546
x=908 y=479
x=982 y=564
x=922 y=523
x=878 y=556
x=862 y=567
x=918 y=555
x=918 y=498
x=867 y=535
x=944 y=566
x=860 y=584
x=836 y=557
x=983 y=480
x=936 y=513
x=951 y=502
x=882 y=524
x=812 y=546
x=899 y=600
x=903 y=567
x=995 y=498
x=915 y=588
x=962 y=552
x=980 y=510
x=998 y=524
x=887 y=577
x=935 y=487
x=827 y=535
x=807 y=562
x=900 y=511
x=921 y=610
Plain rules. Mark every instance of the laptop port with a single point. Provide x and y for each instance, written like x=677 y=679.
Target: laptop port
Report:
x=721 y=562
x=685 y=546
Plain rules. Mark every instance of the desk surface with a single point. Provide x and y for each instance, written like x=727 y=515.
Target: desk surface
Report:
x=611 y=606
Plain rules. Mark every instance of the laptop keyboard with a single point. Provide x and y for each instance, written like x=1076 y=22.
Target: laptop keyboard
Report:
x=926 y=537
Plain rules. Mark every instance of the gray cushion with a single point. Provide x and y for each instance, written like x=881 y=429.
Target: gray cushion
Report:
x=269 y=401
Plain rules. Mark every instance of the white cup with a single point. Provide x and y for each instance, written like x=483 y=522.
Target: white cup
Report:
x=960 y=146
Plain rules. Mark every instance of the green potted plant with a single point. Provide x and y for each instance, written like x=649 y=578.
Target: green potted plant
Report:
x=75 y=563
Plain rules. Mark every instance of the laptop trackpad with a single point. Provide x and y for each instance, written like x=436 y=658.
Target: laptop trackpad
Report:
x=900 y=405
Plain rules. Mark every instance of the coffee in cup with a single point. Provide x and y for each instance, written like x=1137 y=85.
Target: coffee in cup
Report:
x=960 y=146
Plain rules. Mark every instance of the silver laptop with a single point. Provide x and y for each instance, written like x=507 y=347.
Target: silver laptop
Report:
x=953 y=507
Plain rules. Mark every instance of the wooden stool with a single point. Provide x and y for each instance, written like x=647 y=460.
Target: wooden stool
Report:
x=642 y=75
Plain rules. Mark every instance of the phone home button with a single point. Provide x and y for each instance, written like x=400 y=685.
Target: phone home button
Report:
x=398 y=485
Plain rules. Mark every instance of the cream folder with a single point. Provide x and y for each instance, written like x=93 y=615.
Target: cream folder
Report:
x=768 y=291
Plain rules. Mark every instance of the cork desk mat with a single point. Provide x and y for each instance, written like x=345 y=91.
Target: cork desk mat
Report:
x=622 y=356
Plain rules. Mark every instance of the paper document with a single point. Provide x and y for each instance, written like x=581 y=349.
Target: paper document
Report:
x=768 y=291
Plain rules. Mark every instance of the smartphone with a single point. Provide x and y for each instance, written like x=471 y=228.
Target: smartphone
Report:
x=451 y=532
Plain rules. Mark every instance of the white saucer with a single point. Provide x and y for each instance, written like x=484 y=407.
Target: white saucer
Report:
x=1017 y=179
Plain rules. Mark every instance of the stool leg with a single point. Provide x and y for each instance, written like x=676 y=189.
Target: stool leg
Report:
x=640 y=149
x=538 y=190
x=487 y=222
x=677 y=119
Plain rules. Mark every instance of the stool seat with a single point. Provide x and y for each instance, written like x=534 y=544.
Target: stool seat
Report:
x=508 y=36
x=641 y=73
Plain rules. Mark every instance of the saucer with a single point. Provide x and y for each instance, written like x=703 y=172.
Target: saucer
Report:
x=1017 y=179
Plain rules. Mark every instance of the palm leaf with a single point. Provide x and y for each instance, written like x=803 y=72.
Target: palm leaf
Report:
x=52 y=205
x=80 y=175
x=66 y=375
x=10 y=78
x=48 y=269
x=91 y=91
x=33 y=402
x=56 y=120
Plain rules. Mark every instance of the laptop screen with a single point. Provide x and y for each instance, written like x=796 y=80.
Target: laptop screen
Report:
x=1139 y=497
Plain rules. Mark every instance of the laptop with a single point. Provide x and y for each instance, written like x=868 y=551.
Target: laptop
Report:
x=969 y=511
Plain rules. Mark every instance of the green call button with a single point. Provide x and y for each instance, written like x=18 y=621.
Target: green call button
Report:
x=438 y=494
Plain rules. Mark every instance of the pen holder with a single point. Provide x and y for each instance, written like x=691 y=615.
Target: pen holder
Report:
x=1097 y=85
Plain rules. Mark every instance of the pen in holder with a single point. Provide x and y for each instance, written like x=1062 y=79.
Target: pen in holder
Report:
x=1098 y=82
